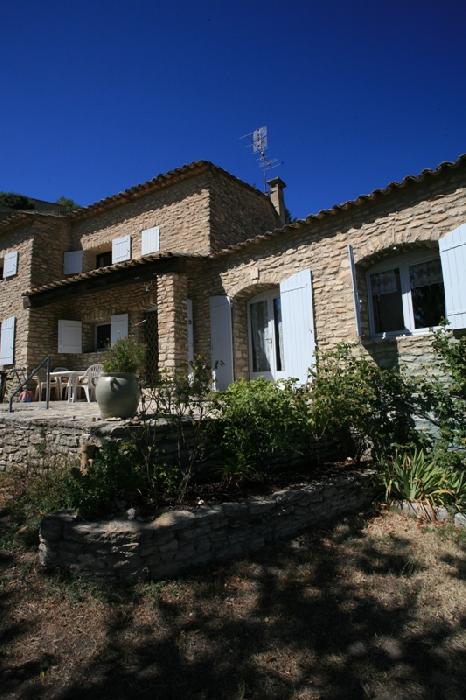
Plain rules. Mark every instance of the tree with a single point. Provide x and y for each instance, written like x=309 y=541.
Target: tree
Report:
x=68 y=204
x=15 y=201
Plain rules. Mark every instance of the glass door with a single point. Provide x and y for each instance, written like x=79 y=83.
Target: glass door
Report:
x=265 y=336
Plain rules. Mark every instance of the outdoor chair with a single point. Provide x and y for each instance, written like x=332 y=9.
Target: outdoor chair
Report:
x=62 y=381
x=88 y=381
x=41 y=385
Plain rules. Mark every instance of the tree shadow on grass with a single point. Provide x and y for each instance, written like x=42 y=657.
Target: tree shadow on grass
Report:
x=329 y=615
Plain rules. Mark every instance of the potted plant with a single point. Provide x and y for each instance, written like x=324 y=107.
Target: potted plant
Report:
x=117 y=390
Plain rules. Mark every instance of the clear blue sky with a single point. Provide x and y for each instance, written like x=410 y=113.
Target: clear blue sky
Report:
x=98 y=96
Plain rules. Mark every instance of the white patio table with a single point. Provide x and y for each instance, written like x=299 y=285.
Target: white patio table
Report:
x=73 y=377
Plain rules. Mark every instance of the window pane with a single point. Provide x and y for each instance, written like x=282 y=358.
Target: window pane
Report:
x=277 y=318
x=387 y=301
x=259 y=342
x=427 y=293
x=103 y=336
x=104 y=259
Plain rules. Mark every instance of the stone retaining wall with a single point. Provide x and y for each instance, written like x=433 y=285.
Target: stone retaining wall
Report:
x=131 y=550
x=31 y=446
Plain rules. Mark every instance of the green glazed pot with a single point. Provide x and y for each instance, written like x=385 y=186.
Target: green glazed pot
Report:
x=117 y=395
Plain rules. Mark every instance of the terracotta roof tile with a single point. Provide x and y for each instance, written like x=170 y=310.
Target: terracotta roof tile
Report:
x=108 y=270
x=377 y=194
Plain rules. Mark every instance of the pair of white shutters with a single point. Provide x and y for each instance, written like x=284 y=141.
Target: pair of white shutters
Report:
x=7 y=341
x=70 y=333
x=121 y=250
x=452 y=248
x=297 y=325
x=10 y=264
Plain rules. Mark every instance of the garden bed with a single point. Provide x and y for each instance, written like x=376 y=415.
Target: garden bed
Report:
x=178 y=540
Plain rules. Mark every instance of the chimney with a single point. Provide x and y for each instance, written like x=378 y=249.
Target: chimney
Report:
x=277 y=198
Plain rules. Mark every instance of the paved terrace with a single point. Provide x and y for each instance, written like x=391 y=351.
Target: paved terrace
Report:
x=58 y=410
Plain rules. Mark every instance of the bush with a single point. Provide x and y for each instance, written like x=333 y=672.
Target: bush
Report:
x=442 y=399
x=259 y=424
x=365 y=406
x=126 y=355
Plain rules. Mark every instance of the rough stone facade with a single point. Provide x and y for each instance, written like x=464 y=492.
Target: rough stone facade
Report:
x=199 y=211
x=132 y=550
x=411 y=219
x=31 y=445
x=202 y=214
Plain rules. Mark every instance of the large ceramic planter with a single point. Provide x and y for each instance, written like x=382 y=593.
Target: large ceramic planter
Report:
x=118 y=395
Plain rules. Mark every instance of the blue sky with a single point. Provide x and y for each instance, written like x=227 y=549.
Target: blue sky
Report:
x=98 y=96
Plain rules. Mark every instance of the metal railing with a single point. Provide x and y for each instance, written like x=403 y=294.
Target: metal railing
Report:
x=44 y=363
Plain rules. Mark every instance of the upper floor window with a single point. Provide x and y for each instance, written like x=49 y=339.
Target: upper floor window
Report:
x=103 y=259
x=406 y=294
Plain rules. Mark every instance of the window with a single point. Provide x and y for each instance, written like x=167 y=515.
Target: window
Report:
x=1 y=269
x=103 y=332
x=406 y=294
x=266 y=335
x=103 y=259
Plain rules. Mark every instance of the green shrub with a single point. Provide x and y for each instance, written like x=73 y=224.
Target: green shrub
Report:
x=417 y=477
x=441 y=397
x=126 y=355
x=260 y=423
x=355 y=400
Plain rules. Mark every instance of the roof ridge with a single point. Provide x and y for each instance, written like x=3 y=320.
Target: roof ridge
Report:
x=376 y=194
x=161 y=180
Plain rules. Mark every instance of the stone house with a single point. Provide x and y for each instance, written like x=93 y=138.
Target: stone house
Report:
x=197 y=261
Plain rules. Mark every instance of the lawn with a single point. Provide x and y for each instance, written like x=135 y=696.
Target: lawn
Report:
x=371 y=607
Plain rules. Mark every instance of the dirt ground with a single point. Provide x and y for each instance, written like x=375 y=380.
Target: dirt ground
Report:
x=371 y=607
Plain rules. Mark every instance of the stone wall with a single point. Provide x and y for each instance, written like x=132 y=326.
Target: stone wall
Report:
x=202 y=213
x=90 y=307
x=238 y=212
x=11 y=304
x=32 y=445
x=176 y=541
x=181 y=211
x=415 y=217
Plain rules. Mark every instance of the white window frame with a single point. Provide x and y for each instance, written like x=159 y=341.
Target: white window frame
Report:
x=401 y=262
x=273 y=373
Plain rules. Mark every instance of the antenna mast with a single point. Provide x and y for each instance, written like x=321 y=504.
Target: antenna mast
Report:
x=258 y=141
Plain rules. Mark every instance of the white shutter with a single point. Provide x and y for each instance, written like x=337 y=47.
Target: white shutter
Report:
x=298 y=325
x=121 y=249
x=356 y=299
x=221 y=339
x=73 y=262
x=7 y=341
x=453 y=257
x=10 y=264
x=189 y=309
x=70 y=336
x=150 y=240
x=119 y=328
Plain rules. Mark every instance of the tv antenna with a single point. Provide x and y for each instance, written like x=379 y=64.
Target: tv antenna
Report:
x=258 y=142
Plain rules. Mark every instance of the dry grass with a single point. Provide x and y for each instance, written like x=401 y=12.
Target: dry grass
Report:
x=364 y=609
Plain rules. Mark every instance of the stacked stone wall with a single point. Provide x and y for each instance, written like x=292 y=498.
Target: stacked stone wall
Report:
x=237 y=212
x=176 y=541
x=405 y=220
x=18 y=239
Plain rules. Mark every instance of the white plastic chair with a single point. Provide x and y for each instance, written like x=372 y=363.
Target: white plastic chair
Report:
x=41 y=385
x=88 y=381
x=61 y=381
